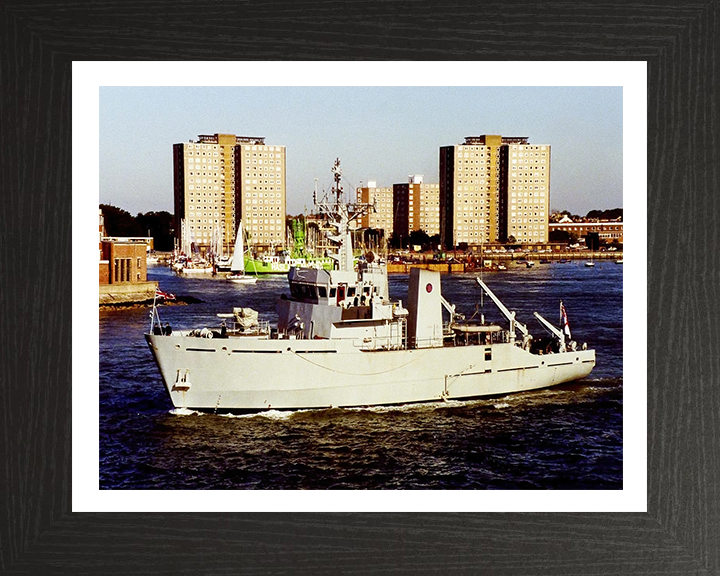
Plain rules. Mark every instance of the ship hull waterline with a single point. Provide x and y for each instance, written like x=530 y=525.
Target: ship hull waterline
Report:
x=255 y=374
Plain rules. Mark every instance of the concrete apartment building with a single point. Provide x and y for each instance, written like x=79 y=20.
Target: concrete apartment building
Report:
x=402 y=208
x=416 y=207
x=221 y=179
x=524 y=191
x=382 y=198
x=425 y=199
x=493 y=188
x=423 y=204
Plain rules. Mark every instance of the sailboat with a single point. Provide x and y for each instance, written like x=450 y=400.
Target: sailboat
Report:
x=222 y=260
x=237 y=268
x=590 y=263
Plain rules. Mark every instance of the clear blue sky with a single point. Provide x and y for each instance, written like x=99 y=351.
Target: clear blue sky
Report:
x=379 y=133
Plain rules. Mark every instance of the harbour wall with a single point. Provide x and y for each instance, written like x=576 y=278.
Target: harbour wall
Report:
x=404 y=268
x=129 y=293
x=474 y=261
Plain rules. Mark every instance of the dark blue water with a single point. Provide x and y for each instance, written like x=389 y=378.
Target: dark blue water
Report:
x=566 y=437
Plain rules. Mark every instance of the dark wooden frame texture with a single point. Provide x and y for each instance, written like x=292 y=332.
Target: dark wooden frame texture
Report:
x=680 y=533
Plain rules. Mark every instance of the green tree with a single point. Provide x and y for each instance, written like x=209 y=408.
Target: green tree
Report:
x=119 y=222
x=612 y=214
x=562 y=236
x=418 y=238
x=158 y=225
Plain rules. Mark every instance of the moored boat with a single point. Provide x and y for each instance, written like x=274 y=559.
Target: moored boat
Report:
x=192 y=267
x=237 y=266
x=266 y=264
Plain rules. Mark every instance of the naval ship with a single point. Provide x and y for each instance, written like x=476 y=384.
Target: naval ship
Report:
x=341 y=342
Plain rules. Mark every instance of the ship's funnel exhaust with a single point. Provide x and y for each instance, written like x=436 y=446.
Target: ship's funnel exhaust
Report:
x=424 y=307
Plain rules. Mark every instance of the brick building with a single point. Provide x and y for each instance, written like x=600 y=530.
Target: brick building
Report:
x=123 y=270
x=123 y=262
x=607 y=231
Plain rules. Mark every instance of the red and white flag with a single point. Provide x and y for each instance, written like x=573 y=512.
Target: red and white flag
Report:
x=564 y=321
x=160 y=295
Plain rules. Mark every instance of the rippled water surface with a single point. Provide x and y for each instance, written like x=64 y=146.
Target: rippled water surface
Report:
x=566 y=437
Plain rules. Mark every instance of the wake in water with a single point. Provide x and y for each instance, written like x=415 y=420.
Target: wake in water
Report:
x=184 y=412
x=588 y=390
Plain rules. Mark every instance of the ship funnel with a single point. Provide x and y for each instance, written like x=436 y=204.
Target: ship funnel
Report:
x=424 y=307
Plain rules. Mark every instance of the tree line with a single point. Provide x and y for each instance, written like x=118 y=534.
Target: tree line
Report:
x=158 y=225
x=612 y=214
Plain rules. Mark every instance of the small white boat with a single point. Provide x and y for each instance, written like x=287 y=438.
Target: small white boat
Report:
x=223 y=263
x=589 y=263
x=242 y=278
x=194 y=268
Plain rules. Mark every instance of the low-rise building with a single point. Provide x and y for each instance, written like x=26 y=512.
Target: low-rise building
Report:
x=608 y=231
x=123 y=270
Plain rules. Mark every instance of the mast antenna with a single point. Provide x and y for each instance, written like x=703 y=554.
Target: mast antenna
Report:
x=337 y=172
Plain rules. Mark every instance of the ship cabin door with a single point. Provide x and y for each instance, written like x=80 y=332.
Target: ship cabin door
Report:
x=341 y=294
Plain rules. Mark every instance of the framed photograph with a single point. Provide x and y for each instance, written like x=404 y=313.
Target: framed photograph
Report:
x=60 y=519
x=424 y=440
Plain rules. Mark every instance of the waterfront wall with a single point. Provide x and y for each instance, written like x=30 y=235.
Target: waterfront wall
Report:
x=552 y=256
x=474 y=262
x=127 y=293
x=401 y=268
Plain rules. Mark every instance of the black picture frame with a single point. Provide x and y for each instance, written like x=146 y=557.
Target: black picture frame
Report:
x=38 y=532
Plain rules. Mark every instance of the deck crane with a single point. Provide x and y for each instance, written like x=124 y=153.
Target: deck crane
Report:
x=514 y=324
x=556 y=331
